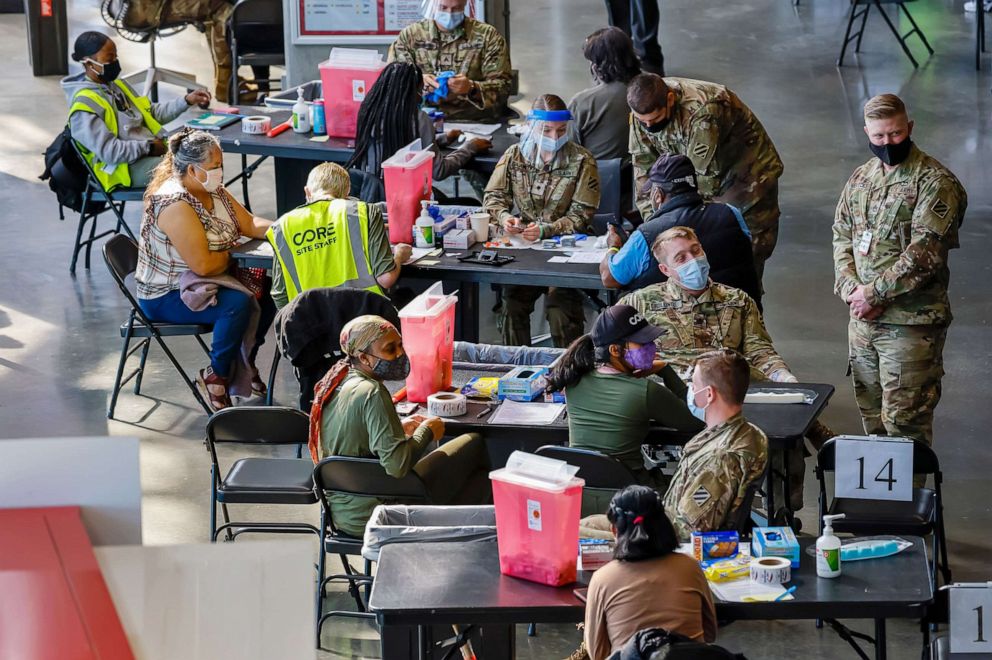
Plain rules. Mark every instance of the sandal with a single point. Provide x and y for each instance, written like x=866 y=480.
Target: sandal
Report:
x=258 y=387
x=213 y=388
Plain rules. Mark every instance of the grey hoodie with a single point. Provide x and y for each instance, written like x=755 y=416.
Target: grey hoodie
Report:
x=131 y=141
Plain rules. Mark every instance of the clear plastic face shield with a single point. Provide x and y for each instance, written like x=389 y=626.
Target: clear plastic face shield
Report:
x=545 y=134
x=449 y=14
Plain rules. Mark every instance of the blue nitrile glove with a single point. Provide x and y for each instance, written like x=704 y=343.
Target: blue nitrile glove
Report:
x=442 y=88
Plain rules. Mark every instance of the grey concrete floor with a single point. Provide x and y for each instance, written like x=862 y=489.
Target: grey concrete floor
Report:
x=58 y=338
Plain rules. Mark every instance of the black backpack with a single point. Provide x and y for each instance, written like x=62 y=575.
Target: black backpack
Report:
x=67 y=175
x=659 y=644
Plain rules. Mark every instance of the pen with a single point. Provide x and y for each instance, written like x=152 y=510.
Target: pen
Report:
x=782 y=596
x=484 y=412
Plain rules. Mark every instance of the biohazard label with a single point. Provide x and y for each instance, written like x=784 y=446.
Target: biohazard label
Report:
x=358 y=90
x=534 y=515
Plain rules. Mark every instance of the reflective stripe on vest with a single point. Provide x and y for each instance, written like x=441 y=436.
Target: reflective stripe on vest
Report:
x=324 y=244
x=88 y=100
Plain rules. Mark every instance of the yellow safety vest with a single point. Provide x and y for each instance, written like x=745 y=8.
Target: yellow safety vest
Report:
x=113 y=175
x=324 y=244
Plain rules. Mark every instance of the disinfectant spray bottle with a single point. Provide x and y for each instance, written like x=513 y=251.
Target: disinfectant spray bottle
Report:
x=828 y=550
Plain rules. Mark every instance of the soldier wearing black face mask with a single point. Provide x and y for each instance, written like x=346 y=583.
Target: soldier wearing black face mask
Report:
x=120 y=133
x=895 y=224
x=734 y=159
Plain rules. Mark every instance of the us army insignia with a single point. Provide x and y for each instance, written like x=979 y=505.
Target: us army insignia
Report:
x=701 y=496
x=662 y=306
x=700 y=150
x=940 y=208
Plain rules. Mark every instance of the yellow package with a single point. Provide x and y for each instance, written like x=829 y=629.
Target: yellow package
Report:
x=727 y=570
x=482 y=387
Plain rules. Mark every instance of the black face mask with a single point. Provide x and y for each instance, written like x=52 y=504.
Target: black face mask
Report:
x=396 y=369
x=658 y=126
x=892 y=154
x=110 y=71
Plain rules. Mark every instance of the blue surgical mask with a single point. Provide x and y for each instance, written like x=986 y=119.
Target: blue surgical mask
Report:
x=449 y=20
x=552 y=145
x=694 y=275
x=690 y=400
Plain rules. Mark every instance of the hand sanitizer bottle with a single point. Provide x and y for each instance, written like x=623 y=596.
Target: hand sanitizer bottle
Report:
x=301 y=113
x=828 y=550
x=423 y=231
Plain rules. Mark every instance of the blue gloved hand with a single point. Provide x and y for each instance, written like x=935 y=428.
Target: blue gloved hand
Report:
x=442 y=88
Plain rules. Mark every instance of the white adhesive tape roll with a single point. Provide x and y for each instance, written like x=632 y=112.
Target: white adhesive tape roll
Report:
x=446 y=404
x=771 y=570
x=256 y=125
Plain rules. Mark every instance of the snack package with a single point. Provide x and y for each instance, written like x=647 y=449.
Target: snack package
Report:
x=482 y=387
x=708 y=547
x=727 y=570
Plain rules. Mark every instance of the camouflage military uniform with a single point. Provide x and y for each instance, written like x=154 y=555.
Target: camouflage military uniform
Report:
x=214 y=15
x=735 y=160
x=893 y=233
x=474 y=49
x=562 y=197
x=721 y=317
x=717 y=467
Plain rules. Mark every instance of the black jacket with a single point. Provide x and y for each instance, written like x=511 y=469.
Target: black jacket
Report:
x=659 y=644
x=727 y=247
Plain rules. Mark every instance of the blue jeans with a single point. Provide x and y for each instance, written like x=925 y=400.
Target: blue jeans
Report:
x=229 y=318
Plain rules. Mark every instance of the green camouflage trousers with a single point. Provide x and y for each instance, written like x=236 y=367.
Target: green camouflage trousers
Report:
x=897 y=371
x=762 y=220
x=564 y=313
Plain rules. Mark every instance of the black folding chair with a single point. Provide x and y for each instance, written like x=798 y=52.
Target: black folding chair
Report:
x=600 y=472
x=921 y=516
x=740 y=519
x=256 y=34
x=363 y=477
x=121 y=255
x=97 y=201
x=610 y=193
x=259 y=480
x=860 y=10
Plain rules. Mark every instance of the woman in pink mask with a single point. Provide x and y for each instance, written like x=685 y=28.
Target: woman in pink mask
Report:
x=610 y=398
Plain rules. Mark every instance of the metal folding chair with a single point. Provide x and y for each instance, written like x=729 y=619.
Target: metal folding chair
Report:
x=259 y=480
x=256 y=35
x=121 y=256
x=862 y=14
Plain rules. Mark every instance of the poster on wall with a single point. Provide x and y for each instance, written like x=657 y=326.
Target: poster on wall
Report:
x=364 y=18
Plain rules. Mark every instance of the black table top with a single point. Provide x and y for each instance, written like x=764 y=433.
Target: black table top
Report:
x=780 y=422
x=339 y=150
x=436 y=583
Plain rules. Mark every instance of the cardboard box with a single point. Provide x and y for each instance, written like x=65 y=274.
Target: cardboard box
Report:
x=708 y=547
x=523 y=384
x=459 y=239
x=775 y=542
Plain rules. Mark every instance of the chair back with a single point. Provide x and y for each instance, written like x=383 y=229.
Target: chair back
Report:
x=120 y=253
x=257 y=26
x=598 y=470
x=740 y=518
x=924 y=458
x=609 y=193
x=259 y=425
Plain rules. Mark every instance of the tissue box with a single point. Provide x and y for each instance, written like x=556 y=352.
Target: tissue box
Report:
x=463 y=221
x=775 y=542
x=459 y=239
x=523 y=384
x=708 y=547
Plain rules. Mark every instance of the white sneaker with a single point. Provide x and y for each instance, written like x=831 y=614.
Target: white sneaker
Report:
x=971 y=5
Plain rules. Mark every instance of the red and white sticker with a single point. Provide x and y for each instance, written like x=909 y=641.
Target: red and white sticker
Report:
x=358 y=90
x=534 y=515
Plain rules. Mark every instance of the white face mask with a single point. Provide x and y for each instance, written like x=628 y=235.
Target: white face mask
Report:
x=215 y=178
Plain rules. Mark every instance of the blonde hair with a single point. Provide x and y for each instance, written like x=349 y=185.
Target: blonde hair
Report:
x=667 y=236
x=329 y=179
x=884 y=106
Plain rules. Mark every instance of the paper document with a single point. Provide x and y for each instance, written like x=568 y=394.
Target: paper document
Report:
x=745 y=591
x=469 y=127
x=262 y=249
x=587 y=257
x=534 y=414
x=558 y=260
x=419 y=253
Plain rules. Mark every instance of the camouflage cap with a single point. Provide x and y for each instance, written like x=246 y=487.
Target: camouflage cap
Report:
x=360 y=332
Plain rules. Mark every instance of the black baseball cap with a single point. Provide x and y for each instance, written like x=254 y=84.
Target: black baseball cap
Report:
x=622 y=323
x=670 y=170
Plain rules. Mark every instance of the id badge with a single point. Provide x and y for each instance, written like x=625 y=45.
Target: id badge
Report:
x=864 y=245
x=540 y=186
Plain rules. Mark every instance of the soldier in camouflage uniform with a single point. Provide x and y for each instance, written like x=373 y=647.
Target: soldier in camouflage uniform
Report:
x=700 y=315
x=474 y=50
x=735 y=160
x=720 y=463
x=896 y=221
x=553 y=184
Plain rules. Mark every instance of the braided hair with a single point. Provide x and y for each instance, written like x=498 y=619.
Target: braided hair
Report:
x=387 y=118
x=186 y=147
x=643 y=529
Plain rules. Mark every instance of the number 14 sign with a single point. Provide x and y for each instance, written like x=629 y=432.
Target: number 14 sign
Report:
x=874 y=468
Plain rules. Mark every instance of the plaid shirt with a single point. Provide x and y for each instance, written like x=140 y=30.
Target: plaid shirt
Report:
x=159 y=264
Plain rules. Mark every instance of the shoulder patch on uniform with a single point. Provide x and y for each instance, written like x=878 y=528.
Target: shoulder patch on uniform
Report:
x=940 y=208
x=700 y=150
x=701 y=496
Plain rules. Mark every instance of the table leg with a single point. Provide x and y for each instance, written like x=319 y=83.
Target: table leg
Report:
x=498 y=643
x=770 y=495
x=467 y=319
x=880 y=639
x=400 y=642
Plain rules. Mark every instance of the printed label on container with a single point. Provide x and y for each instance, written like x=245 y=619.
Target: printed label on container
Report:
x=534 y=515
x=358 y=90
